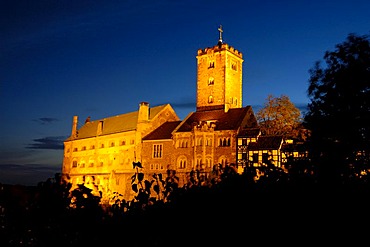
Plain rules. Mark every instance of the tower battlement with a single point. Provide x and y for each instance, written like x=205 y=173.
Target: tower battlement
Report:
x=217 y=48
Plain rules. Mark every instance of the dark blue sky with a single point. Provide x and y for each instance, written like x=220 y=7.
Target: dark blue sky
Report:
x=102 y=58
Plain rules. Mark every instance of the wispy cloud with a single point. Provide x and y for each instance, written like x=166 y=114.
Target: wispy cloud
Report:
x=46 y=120
x=50 y=142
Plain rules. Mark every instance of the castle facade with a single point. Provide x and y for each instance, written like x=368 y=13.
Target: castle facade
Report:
x=101 y=153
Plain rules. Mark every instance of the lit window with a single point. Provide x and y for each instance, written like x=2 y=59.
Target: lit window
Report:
x=255 y=158
x=210 y=99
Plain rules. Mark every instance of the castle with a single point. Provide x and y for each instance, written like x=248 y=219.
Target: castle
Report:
x=101 y=153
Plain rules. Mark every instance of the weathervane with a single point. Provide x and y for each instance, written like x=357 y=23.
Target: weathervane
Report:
x=221 y=31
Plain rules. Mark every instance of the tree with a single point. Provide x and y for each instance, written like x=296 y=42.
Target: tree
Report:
x=279 y=116
x=339 y=113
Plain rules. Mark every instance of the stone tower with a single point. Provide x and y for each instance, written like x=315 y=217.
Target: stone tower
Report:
x=219 y=77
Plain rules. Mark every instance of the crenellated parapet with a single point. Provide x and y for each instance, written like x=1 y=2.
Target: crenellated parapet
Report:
x=218 y=48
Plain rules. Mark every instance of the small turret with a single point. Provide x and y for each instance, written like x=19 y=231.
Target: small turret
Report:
x=74 y=127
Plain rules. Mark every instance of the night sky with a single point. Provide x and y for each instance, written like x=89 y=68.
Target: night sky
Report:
x=102 y=58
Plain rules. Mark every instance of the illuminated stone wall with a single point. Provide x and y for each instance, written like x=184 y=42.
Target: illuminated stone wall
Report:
x=219 y=77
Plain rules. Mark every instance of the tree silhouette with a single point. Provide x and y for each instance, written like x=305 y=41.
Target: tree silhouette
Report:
x=339 y=112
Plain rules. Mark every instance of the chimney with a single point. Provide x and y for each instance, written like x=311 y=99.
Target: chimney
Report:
x=143 y=112
x=74 y=127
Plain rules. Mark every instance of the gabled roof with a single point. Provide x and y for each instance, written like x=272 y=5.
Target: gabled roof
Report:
x=162 y=132
x=266 y=143
x=115 y=124
x=230 y=120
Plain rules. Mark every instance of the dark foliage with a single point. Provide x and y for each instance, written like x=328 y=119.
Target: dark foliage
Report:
x=339 y=112
x=222 y=209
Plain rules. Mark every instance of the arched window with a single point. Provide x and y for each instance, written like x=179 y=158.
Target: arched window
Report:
x=211 y=81
x=210 y=99
x=181 y=162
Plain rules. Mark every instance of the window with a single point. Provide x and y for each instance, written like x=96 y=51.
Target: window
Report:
x=74 y=163
x=208 y=162
x=209 y=142
x=156 y=166
x=183 y=144
x=199 y=141
x=181 y=162
x=211 y=81
x=255 y=158
x=233 y=66
x=123 y=143
x=211 y=64
x=210 y=99
x=265 y=157
x=157 y=150
x=112 y=144
x=223 y=161
x=83 y=148
x=225 y=142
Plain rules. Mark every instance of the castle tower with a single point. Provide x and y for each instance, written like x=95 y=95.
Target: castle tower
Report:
x=219 y=77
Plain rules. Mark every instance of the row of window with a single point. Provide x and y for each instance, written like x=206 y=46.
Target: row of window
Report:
x=223 y=142
x=233 y=65
x=182 y=163
x=102 y=145
x=100 y=163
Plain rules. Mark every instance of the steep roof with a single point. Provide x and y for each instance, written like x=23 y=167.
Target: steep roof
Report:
x=266 y=143
x=229 y=120
x=162 y=132
x=115 y=124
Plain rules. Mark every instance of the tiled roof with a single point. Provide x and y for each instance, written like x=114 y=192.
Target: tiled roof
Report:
x=162 y=132
x=115 y=124
x=266 y=143
x=230 y=120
